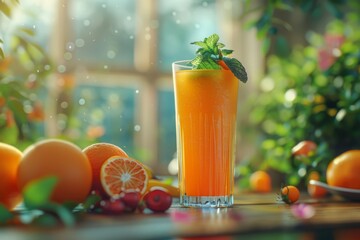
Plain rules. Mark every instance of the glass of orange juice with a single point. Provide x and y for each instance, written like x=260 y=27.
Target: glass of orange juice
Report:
x=206 y=112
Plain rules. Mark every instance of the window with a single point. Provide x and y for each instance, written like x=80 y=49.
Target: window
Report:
x=112 y=80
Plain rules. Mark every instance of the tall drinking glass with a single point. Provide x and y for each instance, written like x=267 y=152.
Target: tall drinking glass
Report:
x=206 y=111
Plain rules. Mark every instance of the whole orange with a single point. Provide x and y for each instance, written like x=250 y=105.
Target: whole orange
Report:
x=61 y=159
x=9 y=161
x=97 y=154
x=343 y=171
x=260 y=181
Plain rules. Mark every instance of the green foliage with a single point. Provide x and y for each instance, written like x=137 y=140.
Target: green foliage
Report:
x=5 y=215
x=24 y=66
x=314 y=94
x=270 y=22
x=41 y=211
x=210 y=52
x=37 y=197
x=39 y=192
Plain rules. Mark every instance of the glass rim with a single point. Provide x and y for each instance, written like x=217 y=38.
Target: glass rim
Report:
x=183 y=63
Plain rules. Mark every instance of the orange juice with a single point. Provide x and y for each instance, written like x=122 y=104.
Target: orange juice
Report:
x=206 y=110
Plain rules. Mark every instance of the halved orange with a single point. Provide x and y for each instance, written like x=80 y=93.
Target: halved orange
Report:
x=122 y=174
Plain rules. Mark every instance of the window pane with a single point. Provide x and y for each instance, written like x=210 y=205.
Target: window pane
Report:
x=167 y=131
x=182 y=22
x=104 y=32
x=107 y=108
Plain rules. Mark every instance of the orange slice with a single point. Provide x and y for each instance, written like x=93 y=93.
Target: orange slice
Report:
x=123 y=174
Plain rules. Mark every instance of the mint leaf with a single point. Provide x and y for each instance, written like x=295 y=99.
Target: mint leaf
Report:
x=212 y=41
x=208 y=64
x=5 y=215
x=38 y=192
x=226 y=52
x=211 y=52
x=204 y=62
x=236 y=68
x=201 y=44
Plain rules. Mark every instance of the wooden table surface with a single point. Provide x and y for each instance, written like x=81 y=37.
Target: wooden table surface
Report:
x=253 y=216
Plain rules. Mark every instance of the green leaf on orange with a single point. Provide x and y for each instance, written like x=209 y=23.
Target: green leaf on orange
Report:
x=38 y=192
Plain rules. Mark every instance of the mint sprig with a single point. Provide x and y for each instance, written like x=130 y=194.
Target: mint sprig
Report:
x=212 y=51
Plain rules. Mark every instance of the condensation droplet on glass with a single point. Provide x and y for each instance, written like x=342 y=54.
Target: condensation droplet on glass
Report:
x=137 y=91
x=147 y=29
x=61 y=68
x=61 y=124
x=128 y=18
x=131 y=36
x=68 y=56
x=106 y=67
x=111 y=54
x=32 y=77
x=79 y=42
x=28 y=108
x=120 y=129
x=103 y=5
x=178 y=21
x=116 y=31
x=174 y=13
x=137 y=128
x=37 y=70
x=197 y=26
x=34 y=26
x=86 y=22
x=81 y=101
x=70 y=46
x=47 y=67
x=64 y=105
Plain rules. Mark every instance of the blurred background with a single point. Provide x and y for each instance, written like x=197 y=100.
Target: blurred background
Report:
x=100 y=70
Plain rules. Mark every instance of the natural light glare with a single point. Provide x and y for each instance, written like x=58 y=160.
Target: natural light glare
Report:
x=290 y=95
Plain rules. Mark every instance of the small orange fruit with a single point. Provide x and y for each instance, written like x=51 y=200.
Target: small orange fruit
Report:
x=315 y=191
x=122 y=174
x=97 y=154
x=260 y=181
x=290 y=194
x=343 y=171
x=9 y=161
x=223 y=65
x=61 y=159
x=304 y=148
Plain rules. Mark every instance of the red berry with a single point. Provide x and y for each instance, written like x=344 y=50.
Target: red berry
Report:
x=131 y=200
x=112 y=206
x=158 y=200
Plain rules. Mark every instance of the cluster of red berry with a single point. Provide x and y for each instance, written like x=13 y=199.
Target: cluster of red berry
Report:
x=156 y=200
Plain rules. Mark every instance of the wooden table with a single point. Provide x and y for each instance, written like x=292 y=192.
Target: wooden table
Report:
x=254 y=216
